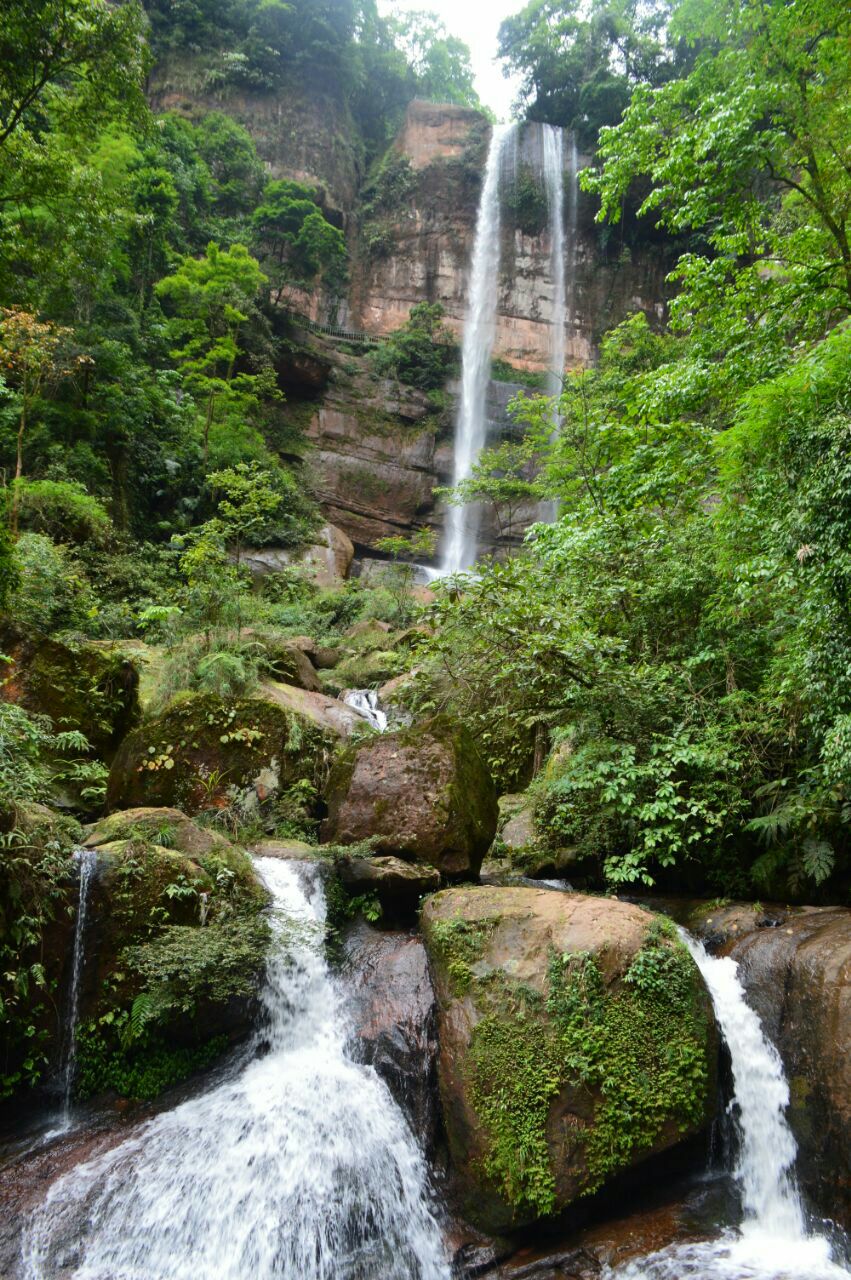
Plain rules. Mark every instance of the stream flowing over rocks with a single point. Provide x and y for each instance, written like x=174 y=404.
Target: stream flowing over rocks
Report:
x=774 y=1240
x=298 y=1164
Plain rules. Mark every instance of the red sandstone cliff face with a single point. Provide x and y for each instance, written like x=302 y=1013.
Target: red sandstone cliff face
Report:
x=378 y=449
x=426 y=249
x=306 y=134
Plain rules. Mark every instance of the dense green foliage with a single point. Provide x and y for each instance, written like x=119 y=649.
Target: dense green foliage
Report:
x=578 y=63
x=378 y=63
x=681 y=633
x=422 y=352
x=667 y=663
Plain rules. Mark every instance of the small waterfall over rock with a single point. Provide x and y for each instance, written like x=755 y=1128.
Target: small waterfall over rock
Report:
x=366 y=703
x=86 y=860
x=298 y=1164
x=471 y=425
x=773 y=1241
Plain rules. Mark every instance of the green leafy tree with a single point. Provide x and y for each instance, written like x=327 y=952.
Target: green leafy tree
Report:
x=302 y=248
x=750 y=151
x=79 y=58
x=30 y=355
x=211 y=298
x=503 y=478
x=578 y=63
x=405 y=552
x=440 y=62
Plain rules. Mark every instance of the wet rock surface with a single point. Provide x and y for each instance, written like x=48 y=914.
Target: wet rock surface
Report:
x=393 y=1016
x=796 y=968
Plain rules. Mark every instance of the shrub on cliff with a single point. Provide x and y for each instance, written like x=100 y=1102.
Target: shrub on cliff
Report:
x=422 y=353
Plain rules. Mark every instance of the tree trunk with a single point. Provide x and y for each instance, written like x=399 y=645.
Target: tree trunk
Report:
x=19 y=470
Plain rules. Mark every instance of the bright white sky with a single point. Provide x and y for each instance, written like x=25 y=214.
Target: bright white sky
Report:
x=476 y=22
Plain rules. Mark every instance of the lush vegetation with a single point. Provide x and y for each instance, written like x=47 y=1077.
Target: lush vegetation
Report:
x=680 y=635
x=666 y=665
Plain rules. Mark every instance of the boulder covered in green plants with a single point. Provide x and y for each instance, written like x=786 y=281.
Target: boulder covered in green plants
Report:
x=206 y=753
x=422 y=794
x=38 y=891
x=576 y=1041
x=175 y=950
x=168 y=828
x=84 y=686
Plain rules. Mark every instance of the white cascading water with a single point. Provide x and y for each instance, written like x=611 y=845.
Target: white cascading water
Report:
x=772 y=1241
x=552 y=150
x=552 y=153
x=367 y=704
x=299 y=1166
x=86 y=860
x=572 y=230
x=462 y=522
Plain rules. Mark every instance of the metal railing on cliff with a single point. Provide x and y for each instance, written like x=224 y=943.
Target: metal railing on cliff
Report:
x=336 y=331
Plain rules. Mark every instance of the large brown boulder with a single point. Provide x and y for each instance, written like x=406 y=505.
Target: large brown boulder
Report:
x=423 y=794
x=85 y=686
x=795 y=965
x=576 y=1040
x=204 y=752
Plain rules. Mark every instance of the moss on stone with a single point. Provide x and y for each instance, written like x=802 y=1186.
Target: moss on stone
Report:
x=635 y=1051
x=459 y=944
x=471 y=795
x=88 y=687
x=202 y=749
x=176 y=955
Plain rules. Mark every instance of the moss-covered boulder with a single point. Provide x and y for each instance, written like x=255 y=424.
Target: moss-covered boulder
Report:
x=423 y=794
x=168 y=828
x=89 y=687
x=203 y=752
x=174 y=955
x=38 y=895
x=576 y=1040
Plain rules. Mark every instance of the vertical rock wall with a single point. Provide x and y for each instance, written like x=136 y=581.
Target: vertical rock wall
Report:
x=425 y=255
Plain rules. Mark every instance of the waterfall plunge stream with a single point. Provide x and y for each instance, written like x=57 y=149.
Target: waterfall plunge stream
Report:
x=366 y=703
x=471 y=427
x=299 y=1165
x=773 y=1241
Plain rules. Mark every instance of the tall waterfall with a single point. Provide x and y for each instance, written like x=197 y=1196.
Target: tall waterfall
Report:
x=552 y=153
x=773 y=1242
x=86 y=860
x=299 y=1165
x=553 y=167
x=459 y=550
